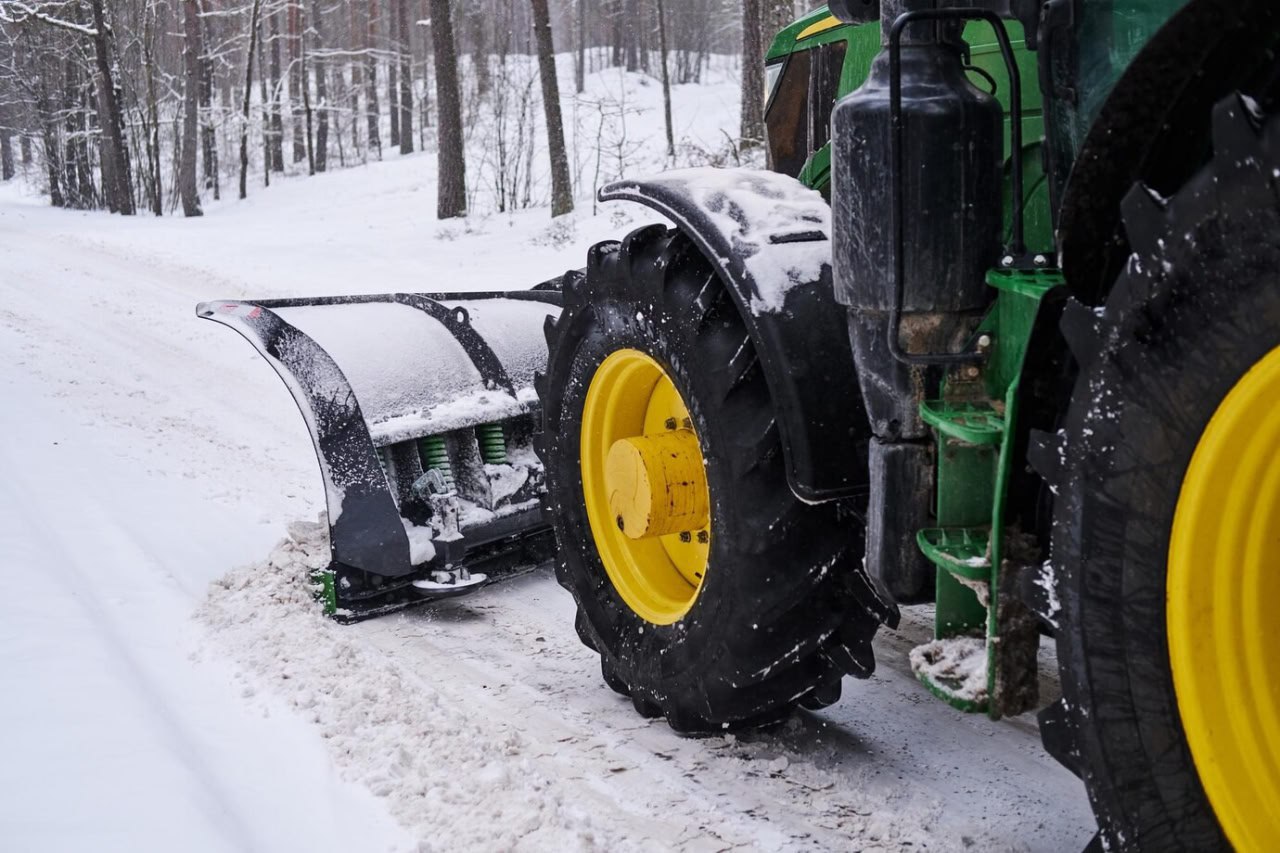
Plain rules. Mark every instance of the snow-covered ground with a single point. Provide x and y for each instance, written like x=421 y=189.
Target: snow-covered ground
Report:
x=166 y=687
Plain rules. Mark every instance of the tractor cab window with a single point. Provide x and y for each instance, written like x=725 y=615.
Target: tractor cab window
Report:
x=786 y=117
x=798 y=114
x=824 y=85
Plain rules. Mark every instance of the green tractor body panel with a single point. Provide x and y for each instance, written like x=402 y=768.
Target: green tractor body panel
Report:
x=818 y=60
x=815 y=62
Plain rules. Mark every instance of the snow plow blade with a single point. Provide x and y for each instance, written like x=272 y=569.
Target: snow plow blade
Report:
x=422 y=411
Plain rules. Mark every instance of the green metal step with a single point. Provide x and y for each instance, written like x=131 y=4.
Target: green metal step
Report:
x=957 y=670
x=973 y=423
x=961 y=551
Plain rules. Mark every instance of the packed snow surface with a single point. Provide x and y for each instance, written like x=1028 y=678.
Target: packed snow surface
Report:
x=152 y=463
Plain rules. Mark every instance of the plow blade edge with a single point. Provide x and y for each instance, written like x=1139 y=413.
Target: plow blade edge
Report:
x=421 y=410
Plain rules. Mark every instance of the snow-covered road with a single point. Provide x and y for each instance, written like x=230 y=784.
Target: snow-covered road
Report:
x=147 y=454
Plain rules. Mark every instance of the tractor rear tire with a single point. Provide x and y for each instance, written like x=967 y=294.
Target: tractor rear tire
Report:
x=1196 y=313
x=784 y=609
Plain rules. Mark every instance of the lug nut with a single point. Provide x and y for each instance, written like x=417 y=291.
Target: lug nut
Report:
x=703 y=538
x=686 y=536
x=971 y=372
x=670 y=423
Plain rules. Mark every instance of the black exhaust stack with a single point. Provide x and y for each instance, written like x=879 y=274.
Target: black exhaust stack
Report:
x=916 y=191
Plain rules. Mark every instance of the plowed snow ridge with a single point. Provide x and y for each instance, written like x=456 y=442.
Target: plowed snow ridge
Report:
x=470 y=781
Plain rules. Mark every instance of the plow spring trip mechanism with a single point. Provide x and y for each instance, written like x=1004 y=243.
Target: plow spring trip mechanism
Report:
x=422 y=411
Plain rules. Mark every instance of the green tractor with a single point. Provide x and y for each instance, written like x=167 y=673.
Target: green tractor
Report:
x=1000 y=330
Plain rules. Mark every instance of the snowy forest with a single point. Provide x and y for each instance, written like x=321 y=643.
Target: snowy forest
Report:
x=158 y=106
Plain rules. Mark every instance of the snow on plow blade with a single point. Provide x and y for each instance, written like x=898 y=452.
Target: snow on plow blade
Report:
x=421 y=410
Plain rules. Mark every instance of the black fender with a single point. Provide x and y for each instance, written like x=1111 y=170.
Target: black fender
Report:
x=1154 y=126
x=750 y=223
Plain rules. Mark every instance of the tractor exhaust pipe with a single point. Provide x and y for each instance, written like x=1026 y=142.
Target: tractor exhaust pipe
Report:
x=914 y=285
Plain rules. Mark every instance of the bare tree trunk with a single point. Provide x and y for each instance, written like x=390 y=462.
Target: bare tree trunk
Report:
x=580 y=68
x=406 y=76
x=452 y=200
x=477 y=19
x=264 y=97
x=83 y=124
x=644 y=31
x=320 y=160
x=306 y=104
x=393 y=84
x=615 y=20
x=371 y=80
x=115 y=151
x=208 y=135
x=24 y=144
x=7 y=114
x=781 y=13
x=666 y=78
x=355 y=38
x=52 y=158
x=630 y=23
x=277 y=120
x=561 y=186
x=153 y=113
x=297 y=80
x=248 y=90
x=7 y=168
x=752 y=131
x=191 y=52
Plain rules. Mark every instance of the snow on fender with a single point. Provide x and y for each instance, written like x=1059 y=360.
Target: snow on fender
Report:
x=769 y=238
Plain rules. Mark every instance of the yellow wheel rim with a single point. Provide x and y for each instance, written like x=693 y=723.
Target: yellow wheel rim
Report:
x=645 y=487
x=1223 y=589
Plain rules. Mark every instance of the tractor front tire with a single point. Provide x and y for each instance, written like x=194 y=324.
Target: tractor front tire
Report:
x=777 y=609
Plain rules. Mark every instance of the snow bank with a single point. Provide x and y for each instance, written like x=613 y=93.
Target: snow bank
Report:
x=455 y=784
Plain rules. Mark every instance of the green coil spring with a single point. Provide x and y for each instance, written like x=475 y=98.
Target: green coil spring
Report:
x=493 y=444
x=435 y=455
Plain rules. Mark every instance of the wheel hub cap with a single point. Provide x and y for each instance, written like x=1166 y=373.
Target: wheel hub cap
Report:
x=657 y=484
x=644 y=486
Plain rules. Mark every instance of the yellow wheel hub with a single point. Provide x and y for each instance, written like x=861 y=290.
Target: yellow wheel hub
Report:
x=1223 y=592
x=644 y=482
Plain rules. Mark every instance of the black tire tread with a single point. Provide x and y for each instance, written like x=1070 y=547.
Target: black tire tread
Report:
x=816 y=621
x=1197 y=300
